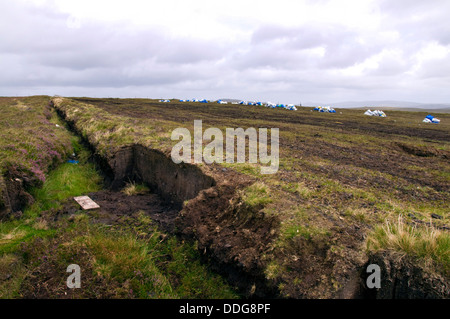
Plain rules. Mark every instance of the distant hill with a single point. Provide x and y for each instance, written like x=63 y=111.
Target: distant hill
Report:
x=231 y=100
x=390 y=105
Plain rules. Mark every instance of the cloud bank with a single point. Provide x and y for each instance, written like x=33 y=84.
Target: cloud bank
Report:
x=281 y=51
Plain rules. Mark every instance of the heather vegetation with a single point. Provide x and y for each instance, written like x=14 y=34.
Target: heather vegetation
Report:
x=31 y=142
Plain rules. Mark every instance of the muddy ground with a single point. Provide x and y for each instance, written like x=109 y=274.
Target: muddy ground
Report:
x=115 y=204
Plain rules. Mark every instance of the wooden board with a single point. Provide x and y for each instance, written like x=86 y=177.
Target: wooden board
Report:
x=86 y=202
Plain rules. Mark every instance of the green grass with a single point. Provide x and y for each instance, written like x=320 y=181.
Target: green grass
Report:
x=66 y=181
x=124 y=258
x=307 y=232
x=257 y=195
x=194 y=279
x=140 y=262
x=12 y=272
x=62 y=183
x=13 y=234
x=245 y=168
x=299 y=225
x=123 y=262
x=157 y=265
x=429 y=245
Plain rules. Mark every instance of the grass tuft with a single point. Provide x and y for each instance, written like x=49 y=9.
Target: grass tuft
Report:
x=135 y=189
x=257 y=194
x=429 y=244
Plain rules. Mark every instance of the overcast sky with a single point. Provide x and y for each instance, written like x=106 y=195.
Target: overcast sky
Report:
x=281 y=51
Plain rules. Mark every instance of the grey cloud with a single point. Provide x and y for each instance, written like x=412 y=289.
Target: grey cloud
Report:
x=277 y=46
x=346 y=55
x=149 y=75
x=304 y=37
x=271 y=32
x=435 y=69
x=389 y=67
x=45 y=52
x=39 y=52
x=417 y=20
x=182 y=51
x=269 y=57
x=409 y=7
x=32 y=30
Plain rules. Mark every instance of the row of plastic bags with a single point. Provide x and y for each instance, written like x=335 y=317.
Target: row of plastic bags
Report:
x=431 y=119
x=325 y=109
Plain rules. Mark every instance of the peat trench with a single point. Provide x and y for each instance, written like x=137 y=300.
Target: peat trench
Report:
x=230 y=238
